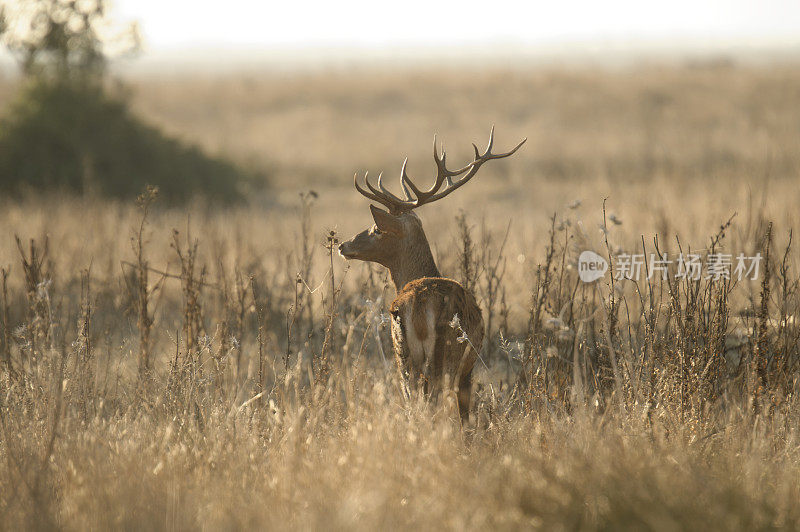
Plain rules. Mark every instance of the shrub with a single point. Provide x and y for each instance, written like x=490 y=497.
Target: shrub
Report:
x=74 y=136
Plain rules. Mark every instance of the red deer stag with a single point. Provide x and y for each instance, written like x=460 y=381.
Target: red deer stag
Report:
x=428 y=341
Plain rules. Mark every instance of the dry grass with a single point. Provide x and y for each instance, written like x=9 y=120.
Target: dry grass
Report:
x=205 y=383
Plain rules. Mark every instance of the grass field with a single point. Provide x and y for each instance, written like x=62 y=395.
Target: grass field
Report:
x=220 y=368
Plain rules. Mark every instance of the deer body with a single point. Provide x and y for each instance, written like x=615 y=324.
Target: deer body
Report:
x=437 y=326
x=427 y=338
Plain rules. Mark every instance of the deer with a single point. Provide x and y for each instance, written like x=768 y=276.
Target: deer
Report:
x=436 y=324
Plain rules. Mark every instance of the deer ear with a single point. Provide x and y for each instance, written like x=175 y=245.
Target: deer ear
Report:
x=386 y=222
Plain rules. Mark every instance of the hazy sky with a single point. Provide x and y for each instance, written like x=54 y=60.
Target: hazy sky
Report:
x=180 y=24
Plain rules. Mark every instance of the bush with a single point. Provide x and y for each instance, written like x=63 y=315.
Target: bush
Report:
x=70 y=136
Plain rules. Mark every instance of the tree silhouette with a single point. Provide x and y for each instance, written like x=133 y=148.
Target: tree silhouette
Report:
x=68 y=131
x=64 y=38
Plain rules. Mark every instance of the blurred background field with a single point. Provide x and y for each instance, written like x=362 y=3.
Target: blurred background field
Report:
x=200 y=357
x=652 y=139
x=676 y=148
x=673 y=149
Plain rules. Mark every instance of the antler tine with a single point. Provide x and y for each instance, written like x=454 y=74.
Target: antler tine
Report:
x=488 y=155
x=382 y=195
x=364 y=192
x=390 y=200
x=403 y=177
x=444 y=176
x=371 y=186
x=473 y=167
x=491 y=141
x=407 y=180
x=387 y=193
x=441 y=167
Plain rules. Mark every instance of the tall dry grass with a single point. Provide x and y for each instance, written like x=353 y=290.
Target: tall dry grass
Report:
x=222 y=369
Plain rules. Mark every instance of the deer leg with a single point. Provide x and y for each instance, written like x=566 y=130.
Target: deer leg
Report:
x=424 y=327
x=405 y=371
x=435 y=354
x=427 y=377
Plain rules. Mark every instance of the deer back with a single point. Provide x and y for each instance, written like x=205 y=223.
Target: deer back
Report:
x=437 y=329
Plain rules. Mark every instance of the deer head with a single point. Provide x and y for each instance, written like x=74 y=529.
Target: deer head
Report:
x=397 y=240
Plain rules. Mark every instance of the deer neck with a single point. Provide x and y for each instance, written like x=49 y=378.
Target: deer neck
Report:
x=414 y=261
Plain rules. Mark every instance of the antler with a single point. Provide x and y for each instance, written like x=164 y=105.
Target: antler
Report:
x=444 y=176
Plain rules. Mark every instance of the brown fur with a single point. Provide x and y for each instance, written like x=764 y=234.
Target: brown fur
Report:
x=425 y=306
x=450 y=361
x=426 y=343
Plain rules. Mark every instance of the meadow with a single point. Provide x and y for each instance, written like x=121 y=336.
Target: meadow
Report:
x=221 y=367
